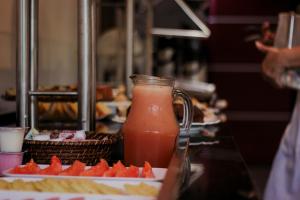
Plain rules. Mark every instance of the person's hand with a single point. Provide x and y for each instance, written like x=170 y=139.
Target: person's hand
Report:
x=274 y=63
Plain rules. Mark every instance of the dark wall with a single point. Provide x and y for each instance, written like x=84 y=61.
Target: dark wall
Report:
x=250 y=7
x=258 y=112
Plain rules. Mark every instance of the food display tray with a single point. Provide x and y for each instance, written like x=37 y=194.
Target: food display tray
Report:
x=21 y=195
x=159 y=175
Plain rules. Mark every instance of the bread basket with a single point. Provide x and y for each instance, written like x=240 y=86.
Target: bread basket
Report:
x=89 y=151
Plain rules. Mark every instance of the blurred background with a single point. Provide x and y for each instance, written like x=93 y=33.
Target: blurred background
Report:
x=257 y=112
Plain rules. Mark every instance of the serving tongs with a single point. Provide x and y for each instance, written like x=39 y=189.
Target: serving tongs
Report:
x=177 y=175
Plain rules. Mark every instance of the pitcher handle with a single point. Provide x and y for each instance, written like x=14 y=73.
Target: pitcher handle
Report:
x=188 y=110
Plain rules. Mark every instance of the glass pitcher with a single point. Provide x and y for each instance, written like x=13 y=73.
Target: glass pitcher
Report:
x=151 y=129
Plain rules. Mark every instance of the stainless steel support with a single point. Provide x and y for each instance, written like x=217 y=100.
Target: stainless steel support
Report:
x=291 y=30
x=54 y=93
x=86 y=62
x=149 y=37
x=34 y=12
x=172 y=32
x=129 y=45
x=22 y=62
x=203 y=31
x=93 y=76
x=120 y=74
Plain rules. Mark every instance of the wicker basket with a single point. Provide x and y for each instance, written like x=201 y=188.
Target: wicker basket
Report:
x=88 y=151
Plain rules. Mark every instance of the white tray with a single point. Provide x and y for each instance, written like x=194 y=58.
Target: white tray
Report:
x=21 y=195
x=159 y=174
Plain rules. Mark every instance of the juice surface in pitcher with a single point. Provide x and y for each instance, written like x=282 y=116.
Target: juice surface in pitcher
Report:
x=151 y=129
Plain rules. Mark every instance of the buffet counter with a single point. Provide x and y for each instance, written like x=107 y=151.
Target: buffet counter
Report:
x=224 y=172
x=217 y=171
x=213 y=169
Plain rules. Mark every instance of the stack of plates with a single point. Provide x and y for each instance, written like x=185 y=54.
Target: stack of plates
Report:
x=198 y=127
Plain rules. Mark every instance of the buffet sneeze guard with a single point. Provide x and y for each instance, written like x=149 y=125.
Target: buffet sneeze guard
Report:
x=202 y=31
x=27 y=56
x=27 y=60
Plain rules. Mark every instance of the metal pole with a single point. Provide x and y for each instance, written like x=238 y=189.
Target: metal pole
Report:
x=22 y=62
x=129 y=44
x=203 y=31
x=291 y=30
x=149 y=38
x=120 y=54
x=93 y=75
x=33 y=60
x=86 y=61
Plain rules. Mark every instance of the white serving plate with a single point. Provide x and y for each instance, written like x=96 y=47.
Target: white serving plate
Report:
x=196 y=127
x=116 y=103
x=194 y=124
x=21 y=195
x=206 y=123
x=118 y=119
x=159 y=174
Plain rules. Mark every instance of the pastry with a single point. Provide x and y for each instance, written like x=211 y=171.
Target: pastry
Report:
x=102 y=110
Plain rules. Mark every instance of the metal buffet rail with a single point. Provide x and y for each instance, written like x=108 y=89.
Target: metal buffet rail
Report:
x=202 y=31
x=27 y=69
x=27 y=55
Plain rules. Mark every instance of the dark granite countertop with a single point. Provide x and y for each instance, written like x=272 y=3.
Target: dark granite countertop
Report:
x=224 y=173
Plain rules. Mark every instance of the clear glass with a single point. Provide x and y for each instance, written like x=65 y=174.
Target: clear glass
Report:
x=11 y=139
x=151 y=129
x=287 y=36
x=291 y=78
